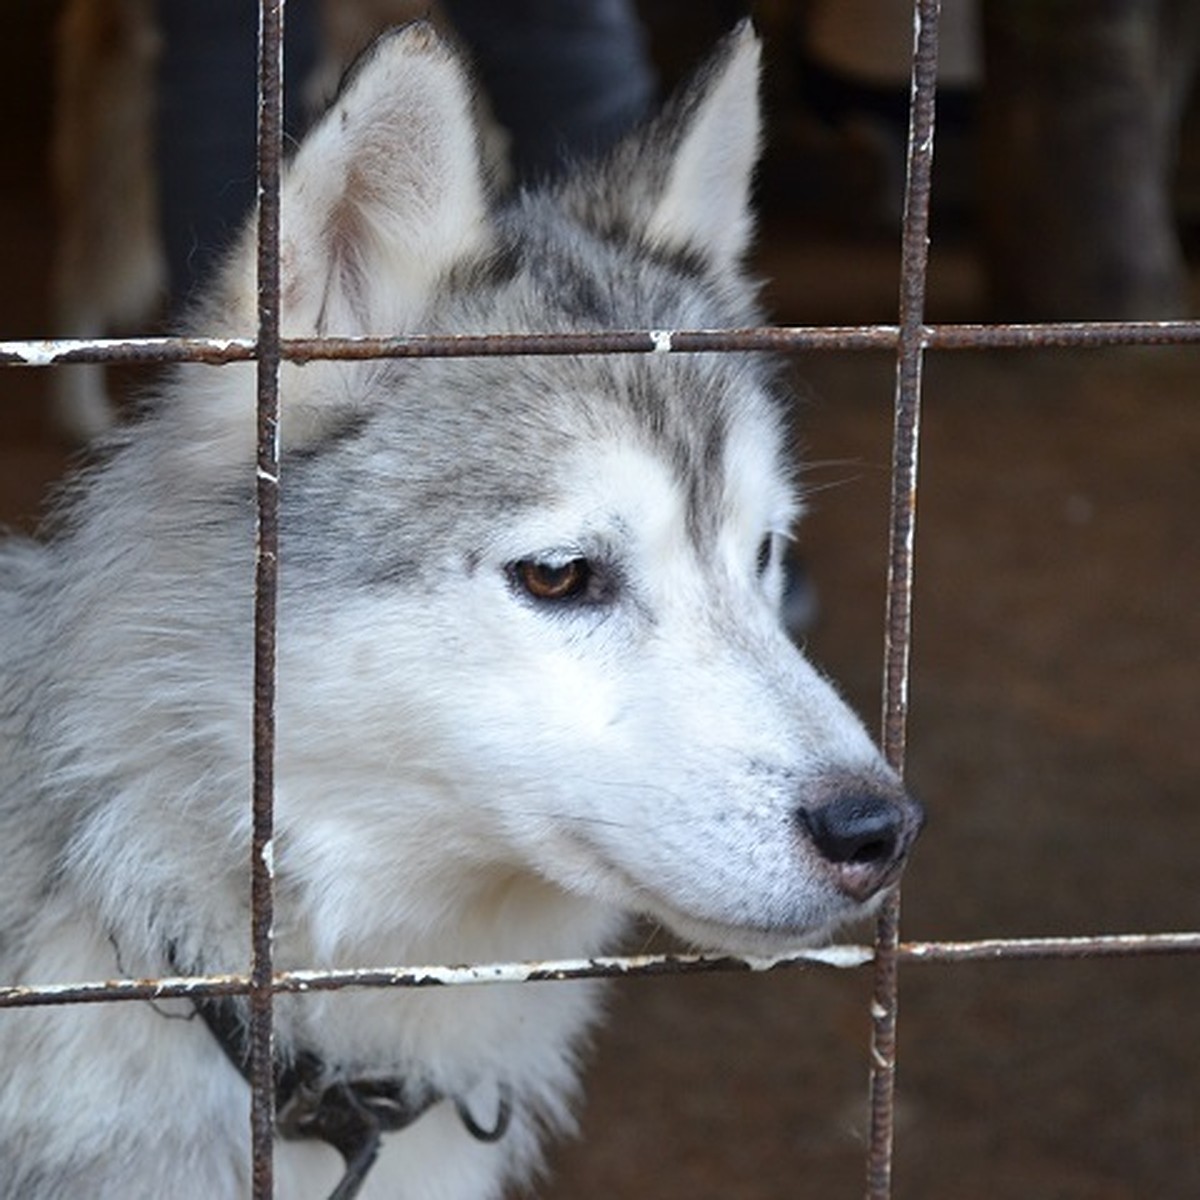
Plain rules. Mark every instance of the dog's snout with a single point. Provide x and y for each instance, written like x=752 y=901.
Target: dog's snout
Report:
x=864 y=835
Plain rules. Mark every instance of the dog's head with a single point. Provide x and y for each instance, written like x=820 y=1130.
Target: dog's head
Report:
x=531 y=605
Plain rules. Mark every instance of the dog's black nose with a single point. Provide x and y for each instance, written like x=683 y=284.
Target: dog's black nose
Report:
x=864 y=835
x=858 y=828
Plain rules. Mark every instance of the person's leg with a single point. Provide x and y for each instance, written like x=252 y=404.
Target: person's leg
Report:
x=207 y=124
x=565 y=80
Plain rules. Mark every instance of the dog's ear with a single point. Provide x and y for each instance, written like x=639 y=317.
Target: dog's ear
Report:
x=684 y=182
x=704 y=205
x=384 y=194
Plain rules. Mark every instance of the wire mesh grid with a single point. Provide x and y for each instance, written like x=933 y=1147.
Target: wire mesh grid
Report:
x=909 y=339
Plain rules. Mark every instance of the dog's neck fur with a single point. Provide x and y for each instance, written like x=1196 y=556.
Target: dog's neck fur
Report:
x=351 y=1115
x=432 y=1044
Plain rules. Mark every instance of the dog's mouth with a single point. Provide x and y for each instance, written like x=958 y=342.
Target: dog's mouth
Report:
x=707 y=934
x=828 y=907
x=764 y=890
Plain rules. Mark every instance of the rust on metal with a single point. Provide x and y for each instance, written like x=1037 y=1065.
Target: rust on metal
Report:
x=910 y=350
x=55 y=352
x=782 y=339
x=261 y=993
x=1113 y=945
x=841 y=957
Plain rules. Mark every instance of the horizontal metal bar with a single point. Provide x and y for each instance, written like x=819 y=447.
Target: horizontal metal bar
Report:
x=841 y=956
x=1009 y=949
x=780 y=339
x=1061 y=335
x=56 y=352
x=427 y=976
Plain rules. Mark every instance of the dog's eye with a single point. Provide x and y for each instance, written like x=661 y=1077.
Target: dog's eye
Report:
x=766 y=550
x=553 y=581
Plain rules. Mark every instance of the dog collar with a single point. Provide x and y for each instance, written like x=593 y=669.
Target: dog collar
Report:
x=351 y=1115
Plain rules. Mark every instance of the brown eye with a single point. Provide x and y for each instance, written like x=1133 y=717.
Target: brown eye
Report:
x=553 y=581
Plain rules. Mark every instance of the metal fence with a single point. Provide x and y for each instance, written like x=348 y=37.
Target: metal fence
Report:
x=909 y=339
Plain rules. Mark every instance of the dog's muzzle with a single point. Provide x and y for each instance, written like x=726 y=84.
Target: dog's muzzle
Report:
x=864 y=835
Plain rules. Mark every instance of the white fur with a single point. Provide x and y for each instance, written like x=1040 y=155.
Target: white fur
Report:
x=706 y=201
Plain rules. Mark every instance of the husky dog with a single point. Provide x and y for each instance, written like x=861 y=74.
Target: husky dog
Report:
x=532 y=677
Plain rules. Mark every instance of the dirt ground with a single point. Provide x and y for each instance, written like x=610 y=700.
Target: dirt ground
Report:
x=1055 y=739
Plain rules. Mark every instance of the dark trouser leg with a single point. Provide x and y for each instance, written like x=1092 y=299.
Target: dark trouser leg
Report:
x=565 y=79
x=207 y=124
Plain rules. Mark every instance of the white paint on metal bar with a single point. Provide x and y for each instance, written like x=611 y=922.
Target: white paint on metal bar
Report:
x=842 y=957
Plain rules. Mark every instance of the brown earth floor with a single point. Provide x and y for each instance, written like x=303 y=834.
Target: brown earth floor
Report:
x=1055 y=738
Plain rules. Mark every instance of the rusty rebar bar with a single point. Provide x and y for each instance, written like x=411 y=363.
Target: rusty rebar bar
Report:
x=783 y=339
x=261 y=993
x=910 y=350
x=842 y=957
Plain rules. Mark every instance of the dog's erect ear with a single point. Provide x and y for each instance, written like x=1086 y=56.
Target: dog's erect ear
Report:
x=684 y=182
x=705 y=203
x=385 y=193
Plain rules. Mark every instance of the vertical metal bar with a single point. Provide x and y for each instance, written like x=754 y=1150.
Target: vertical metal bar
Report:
x=898 y=621
x=262 y=899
